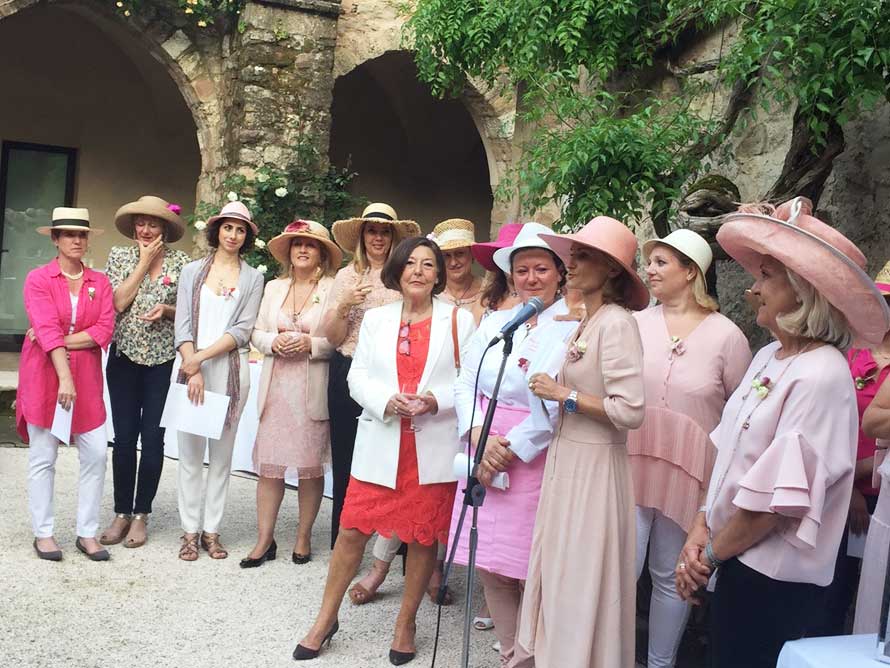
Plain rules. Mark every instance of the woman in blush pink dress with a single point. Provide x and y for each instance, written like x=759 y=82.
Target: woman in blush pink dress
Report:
x=695 y=358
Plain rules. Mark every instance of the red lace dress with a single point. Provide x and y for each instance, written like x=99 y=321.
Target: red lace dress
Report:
x=415 y=513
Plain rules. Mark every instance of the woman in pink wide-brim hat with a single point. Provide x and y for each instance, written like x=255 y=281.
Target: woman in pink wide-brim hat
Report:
x=777 y=502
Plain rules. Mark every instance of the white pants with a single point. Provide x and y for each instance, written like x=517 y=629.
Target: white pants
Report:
x=92 y=449
x=668 y=613
x=191 y=456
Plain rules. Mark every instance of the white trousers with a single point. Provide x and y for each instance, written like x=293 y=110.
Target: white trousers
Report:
x=92 y=449
x=668 y=613
x=191 y=456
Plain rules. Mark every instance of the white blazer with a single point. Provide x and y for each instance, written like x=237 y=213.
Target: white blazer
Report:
x=373 y=379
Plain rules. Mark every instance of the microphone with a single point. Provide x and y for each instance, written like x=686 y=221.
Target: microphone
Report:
x=527 y=312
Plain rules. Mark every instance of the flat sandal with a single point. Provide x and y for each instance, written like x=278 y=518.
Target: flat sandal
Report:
x=188 y=551
x=113 y=539
x=210 y=542
x=129 y=542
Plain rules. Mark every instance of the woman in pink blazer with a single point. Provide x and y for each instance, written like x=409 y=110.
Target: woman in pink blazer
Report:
x=71 y=311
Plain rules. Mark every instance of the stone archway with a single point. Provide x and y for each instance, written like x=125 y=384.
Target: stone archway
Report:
x=424 y=155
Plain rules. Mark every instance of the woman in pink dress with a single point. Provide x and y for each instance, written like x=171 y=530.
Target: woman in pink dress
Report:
x=695 y=359
x=294 y=432
x=777 y=502
x=71 y=312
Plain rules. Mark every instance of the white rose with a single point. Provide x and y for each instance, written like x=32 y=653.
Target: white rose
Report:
x=281 y=192
x=200 y=225
x=232 y=196
x=259 y=243
x=262 y=178
x=262 y=268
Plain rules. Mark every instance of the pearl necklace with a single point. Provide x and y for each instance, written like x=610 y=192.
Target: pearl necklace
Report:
x=72 y=277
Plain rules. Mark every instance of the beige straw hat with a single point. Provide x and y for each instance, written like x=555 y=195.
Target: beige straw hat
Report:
x=149 y=205
x=279 y=246
x=67 y=218
x=346 y=232
x=453 y=233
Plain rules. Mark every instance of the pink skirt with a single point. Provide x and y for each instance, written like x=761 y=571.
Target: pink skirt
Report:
x=507 y=518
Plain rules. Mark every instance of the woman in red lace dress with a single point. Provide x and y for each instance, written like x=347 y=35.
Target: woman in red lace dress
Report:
x=402 y=483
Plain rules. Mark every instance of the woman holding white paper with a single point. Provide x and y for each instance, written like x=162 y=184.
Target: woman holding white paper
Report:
x=216 y=308
x=71 y=312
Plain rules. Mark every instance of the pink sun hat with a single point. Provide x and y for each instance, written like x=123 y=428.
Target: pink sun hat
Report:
x=816 y=252
x=235 y=210
x=484 y=252
x=613 y=238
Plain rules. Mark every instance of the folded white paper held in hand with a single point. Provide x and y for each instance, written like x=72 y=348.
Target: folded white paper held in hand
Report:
x=61 y=427
x=204 y=420
x=462 y=460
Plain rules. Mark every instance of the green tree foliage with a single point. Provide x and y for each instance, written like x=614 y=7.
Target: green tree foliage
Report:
x=202 y=13
x=605 y=142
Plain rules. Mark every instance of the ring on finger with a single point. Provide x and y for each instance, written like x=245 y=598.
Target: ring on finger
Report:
x=682 y=566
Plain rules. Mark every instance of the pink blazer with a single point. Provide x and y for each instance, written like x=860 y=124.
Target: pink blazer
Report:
x=48 y=305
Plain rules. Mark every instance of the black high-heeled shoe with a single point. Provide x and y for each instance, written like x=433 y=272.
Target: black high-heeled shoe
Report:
x=302 y=653
x=398 y=658
x=269 y=555
x=301 y=559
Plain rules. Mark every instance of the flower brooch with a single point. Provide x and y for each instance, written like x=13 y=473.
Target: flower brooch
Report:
x=168 y=280
x=523 y=364
x=228 y=293
x=762 y=386
x=677 y=347
x=862 y=381
x=91 y=292
x=576 y=351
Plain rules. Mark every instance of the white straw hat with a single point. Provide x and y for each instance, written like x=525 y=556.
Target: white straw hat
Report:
x=691 y=244
x=68 y=218
x=527 y=238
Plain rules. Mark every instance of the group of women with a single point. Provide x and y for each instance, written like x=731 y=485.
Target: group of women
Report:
x=721 y=471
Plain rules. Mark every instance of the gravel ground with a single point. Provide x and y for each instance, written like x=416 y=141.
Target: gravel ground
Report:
x=147 y=608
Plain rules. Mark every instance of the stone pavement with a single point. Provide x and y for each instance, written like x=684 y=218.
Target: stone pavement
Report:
x=146 y=608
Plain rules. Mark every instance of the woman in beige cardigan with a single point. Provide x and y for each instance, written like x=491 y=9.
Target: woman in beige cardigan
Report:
x=294 y=428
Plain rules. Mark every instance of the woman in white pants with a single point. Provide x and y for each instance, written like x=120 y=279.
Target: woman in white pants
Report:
x=694 y=359
x=71 y=312
x=216 y=308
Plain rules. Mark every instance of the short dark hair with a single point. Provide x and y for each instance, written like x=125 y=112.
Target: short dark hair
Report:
x=557 y=261
x=398 y=259
x=213 y=235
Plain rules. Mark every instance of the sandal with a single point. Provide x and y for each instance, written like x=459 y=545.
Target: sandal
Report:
x=433 y=592
x=359 y=595
x=483 y=623
x=189 y=549
x=111 y=537
x=132 y=542
x=210 y=542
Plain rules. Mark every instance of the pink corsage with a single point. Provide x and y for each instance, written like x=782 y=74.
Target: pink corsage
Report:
x=167 y=280
x=677 y=347
x=228 y=293
x=523 y=364
x=175 y=208
x=576 y=351
x=762 y=386
x=91 y=292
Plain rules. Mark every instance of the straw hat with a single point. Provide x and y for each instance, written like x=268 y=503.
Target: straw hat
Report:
x=66 y=218
x=882 y=280
x=149 y=205
x=453 y=233
x=526 y=238
x=279 y=246
x=484 y=252
x=235 y=210
x=819 y=254
x=611 y=237
x=346 y=232
x=688 y=243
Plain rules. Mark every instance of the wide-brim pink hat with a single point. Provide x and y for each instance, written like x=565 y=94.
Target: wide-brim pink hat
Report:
x=238 y=211
x=484 y=252
x=816 y=252
x=611 y=237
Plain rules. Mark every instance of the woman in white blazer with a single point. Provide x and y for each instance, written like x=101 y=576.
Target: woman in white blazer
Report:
x=294 y=430
x=403 y=483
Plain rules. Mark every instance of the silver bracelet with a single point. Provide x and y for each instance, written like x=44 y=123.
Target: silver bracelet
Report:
x=709 y=553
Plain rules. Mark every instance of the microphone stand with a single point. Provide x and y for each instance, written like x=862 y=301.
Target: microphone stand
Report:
x=474 y=497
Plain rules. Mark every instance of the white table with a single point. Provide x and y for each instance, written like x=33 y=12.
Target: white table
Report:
x=832 y=652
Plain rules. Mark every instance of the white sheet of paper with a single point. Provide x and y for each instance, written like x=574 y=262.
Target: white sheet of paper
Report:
x=549 y=362
x=205 y=420
x=61 y=427
x=856 y=544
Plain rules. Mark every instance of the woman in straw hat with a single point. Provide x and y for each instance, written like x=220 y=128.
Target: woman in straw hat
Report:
x=357 y=288
x=578 y=607
x=216 y=308
x=695 y=358
x=294 y=431
x=519 y=436
x=786 y=444
x=71 y=312
x=145 y=278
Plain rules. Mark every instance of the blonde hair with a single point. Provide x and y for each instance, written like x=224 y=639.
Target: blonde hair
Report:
x=699 y=285
x=325 y=264
x=360 y=254
x=815 y=318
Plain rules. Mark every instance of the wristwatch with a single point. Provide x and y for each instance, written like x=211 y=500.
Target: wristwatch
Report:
x=571 y=402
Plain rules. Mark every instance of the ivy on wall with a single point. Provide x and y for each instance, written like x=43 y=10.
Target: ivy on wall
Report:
x=202 y=13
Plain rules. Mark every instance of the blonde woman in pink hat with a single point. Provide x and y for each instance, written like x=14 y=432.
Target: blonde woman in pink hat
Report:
x=579 y=604
x=695 y=358
x=216 y=308
x=777 y=503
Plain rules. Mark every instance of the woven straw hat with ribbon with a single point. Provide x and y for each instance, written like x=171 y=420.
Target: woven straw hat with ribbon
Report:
x=346 y=232
x=453 y=233
x=68 y=218
x=882 y=280
x=149 y=205
x=279 y=246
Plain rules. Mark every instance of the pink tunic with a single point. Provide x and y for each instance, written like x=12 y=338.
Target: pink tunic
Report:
x=687 y=384
x=792 y=452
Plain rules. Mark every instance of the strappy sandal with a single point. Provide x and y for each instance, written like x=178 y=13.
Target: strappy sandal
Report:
x=189 y=549
x=110 y=538
x=210 y=543
x=359 y=595
x=138 y=517
x=483 y=623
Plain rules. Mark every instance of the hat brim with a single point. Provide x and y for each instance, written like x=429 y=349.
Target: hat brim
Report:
x=484 y=254
x=646 y=251
x=501 y=256
x=46 y=230
x=213 y=220
x=748 y=238
x=123 y=220
x=279 y=247
x=638 y=294
x=346 y=232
